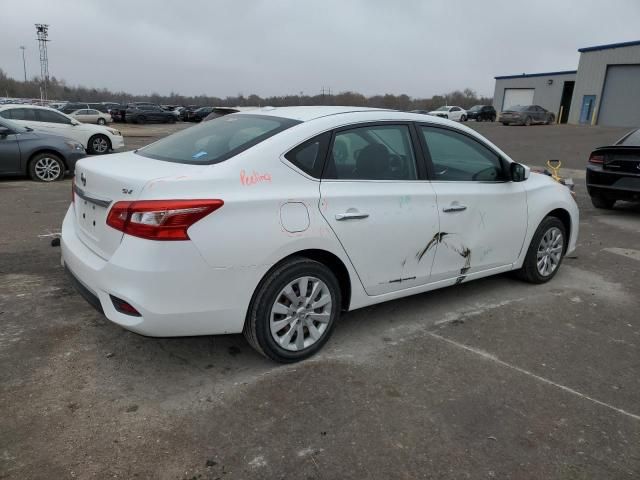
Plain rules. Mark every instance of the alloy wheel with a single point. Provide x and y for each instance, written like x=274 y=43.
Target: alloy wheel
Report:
x=47 y=169
x=301 y=313
x=100 y=145
x=549 y=251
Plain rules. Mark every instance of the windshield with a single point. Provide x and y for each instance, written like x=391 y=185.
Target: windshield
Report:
x=475 y=107
x=13 y=126
x=443 y=109
x=216 y=140
x=518 y=108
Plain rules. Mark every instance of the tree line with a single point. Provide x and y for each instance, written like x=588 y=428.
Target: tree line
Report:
x=58 y=89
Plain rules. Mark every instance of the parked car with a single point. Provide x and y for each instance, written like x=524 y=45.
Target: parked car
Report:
x=421 y=112
x=273 y=221
x=613 y=172
x=72 y=107
x=89 y=115
x=452 y=113
x=481 y=113
x=118 y=113
x=526 y=115
x=199 y=114
x=41 y=156
x=97 y=139
x=140 y=113
x=186 y=112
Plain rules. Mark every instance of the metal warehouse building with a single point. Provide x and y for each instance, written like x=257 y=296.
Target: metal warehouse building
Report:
x=605 y=90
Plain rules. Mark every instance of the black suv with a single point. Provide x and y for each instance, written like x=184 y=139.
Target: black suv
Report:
x=143 y=113
x=480 y=113
x=73 y=106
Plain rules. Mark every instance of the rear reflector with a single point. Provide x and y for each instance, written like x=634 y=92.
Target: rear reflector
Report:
x=595 y=158
x=124 y=307
x=160 y=219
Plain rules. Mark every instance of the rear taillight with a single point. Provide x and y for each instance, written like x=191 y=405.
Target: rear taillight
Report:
x=596 y=158
x=160 y=219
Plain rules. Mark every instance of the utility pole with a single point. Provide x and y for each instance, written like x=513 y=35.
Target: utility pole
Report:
x=43 y=37
x=24 y=63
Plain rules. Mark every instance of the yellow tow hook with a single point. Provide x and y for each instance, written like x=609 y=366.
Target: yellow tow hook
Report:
x=554 y=169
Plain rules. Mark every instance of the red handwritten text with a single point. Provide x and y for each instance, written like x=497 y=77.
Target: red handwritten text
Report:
x=254 y=178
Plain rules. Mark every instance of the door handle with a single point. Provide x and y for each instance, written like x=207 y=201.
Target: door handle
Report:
x=351 y=216
x=454 y=208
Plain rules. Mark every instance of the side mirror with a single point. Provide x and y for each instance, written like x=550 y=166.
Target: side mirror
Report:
x=519 y=173
x=75 y=123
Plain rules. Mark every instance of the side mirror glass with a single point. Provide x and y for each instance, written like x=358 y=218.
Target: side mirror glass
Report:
x=519 y=173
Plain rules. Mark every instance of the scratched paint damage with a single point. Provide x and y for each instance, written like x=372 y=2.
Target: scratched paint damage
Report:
x=437 y=238
x=463 y=251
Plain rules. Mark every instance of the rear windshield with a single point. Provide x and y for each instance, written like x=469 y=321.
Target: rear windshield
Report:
x=216 y=140
x=632 y=139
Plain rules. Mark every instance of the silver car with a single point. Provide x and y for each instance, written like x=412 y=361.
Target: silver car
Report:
x=41 y=156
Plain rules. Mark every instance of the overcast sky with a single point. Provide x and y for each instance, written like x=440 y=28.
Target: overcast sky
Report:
x=276 y=47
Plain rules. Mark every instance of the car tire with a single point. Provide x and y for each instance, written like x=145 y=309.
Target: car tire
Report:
x=550 y=120
x=271 y=306
x=527 y=122
x=602 y=202
x=102 y=121
x=463 y=118
x=141 y=119
x=46 y=167
x=504 y=123
x=545 y=252
x=478 y=118
x=493 y=118
x=99 y=145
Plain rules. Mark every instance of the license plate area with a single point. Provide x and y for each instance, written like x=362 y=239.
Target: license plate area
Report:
x=91 y=217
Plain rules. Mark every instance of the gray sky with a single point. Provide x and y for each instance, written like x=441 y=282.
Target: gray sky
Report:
x=275 y=47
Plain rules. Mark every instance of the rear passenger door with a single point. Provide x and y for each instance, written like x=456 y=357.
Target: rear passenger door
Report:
x=377 y=200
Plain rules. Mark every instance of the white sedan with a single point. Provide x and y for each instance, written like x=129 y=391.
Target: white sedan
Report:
x=91 y=115
x=452 y=113
x=97 y=139
x=274 y=221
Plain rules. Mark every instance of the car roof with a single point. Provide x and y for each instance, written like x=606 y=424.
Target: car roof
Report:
x=304 y=114
x=21 y=105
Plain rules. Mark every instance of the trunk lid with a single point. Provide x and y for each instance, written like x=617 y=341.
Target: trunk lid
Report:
x=622 y=159
x=101 y=181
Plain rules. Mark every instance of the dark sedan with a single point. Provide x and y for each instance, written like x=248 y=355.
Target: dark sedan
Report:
x=613 y=172
x=42 y=156
x=220 y=112
x=142 y=113
x=481 y=113
x=526 y=115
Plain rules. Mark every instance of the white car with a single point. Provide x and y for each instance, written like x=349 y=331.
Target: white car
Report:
x=452 y=113
x=91 y=115
x=97 y=139
x=271 y=222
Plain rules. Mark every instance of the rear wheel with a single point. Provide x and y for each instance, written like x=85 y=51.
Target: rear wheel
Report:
x=46 y=167
x=102 y=121
x=99 y=145
x=550 y=119
x=504 y=123
x=293 y=311
x=493 y=118
x=527 y=121
x=463 y=118
x=545 y=252
x=601 y=202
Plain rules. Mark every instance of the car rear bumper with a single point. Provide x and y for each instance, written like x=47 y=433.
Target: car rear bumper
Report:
x=175 y=291
x=612 y=185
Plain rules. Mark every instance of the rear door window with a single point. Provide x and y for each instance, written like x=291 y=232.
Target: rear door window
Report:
x=23 y=114
x=377 y=152
x=217 y=140
x=51 y=117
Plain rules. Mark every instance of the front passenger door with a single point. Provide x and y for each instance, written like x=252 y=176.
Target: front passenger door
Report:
x=483 y=215
x=9 y=151
x=376 y=199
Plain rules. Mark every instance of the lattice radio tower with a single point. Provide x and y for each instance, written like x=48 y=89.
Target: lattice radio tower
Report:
x=43 y=37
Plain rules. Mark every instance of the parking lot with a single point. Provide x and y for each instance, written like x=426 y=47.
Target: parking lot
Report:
x=490 y=379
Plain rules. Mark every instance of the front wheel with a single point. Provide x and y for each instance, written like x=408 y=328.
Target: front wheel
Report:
x=293 y=311
x=46 y=167
x=527 y=122
x=99 y=145
x=545 y=252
